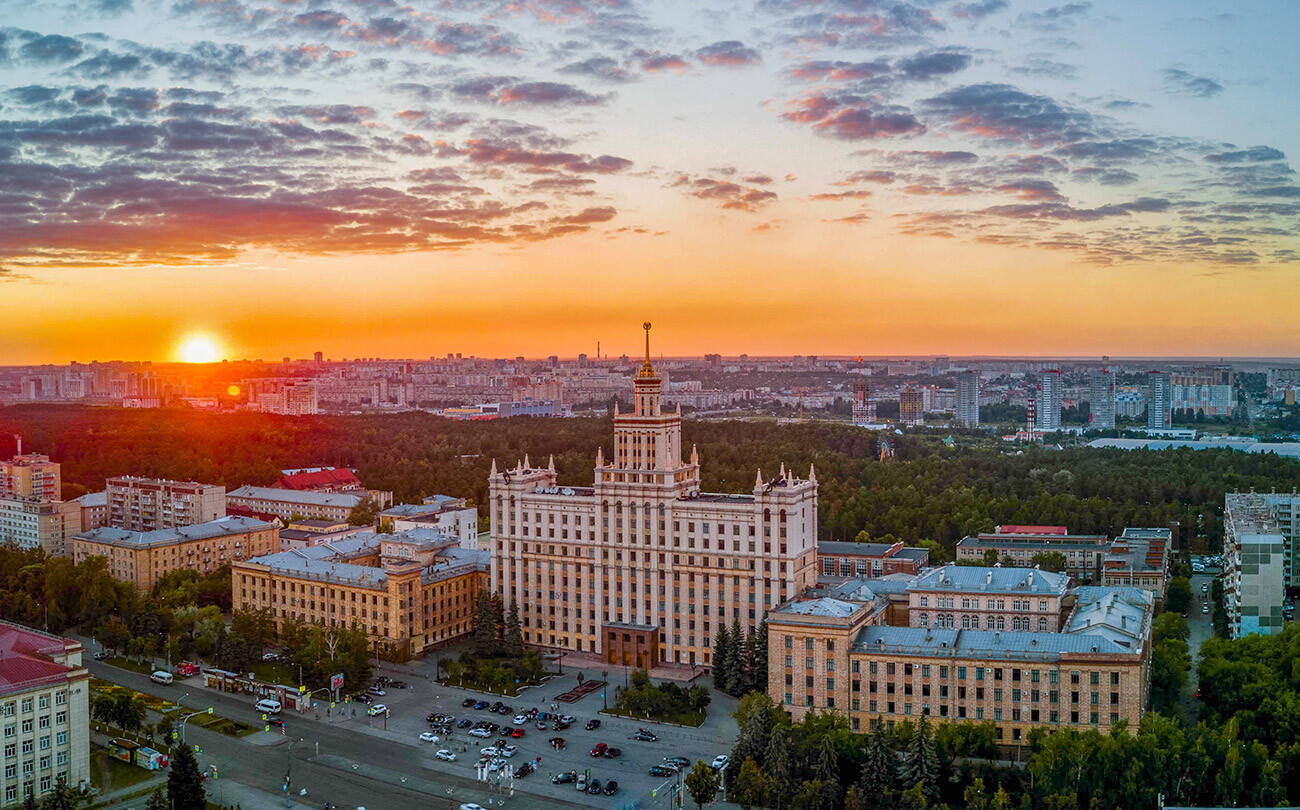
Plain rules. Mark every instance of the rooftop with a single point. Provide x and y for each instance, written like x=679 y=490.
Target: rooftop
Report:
x=27 y=658
x=1008 y=580
x=826 y=606
x=345 y=500
x=93 y=499
x=319 y=479
x=850 y=548
x=221 y=527
x=429 y=507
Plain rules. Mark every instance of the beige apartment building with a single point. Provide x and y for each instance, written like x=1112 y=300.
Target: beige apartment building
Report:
x=290 y=503
x=415 y=590
x=840 y=652
x=45 y=713
x=642 y=566
x=39 y=523
x=146 y=504
x=30 y=476
x=145 y=557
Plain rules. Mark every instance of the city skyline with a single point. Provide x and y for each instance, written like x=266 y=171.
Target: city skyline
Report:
x=777 y=178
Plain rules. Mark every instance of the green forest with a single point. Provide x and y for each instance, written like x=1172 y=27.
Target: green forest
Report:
x=928 y=491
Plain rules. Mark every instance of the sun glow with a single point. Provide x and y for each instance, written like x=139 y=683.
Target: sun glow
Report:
x=198 y=348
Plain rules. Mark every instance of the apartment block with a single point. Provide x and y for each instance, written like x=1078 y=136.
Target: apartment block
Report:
x=94 y=510
x=415 y=589
x=968 y=399
x=1285 y=510
x=143 y=558
x=1160 y=401
x=843 y=559
x=146 y=504
x=1047 y=401
x=642 y=566
x=45 y=712
x=844 y=652
x=1017 y=546
x=39 y=523
x=1139 y=558
x=287 y=503
x=1101 y=403
x=911 y=405
x=1254 y=566
x=30 y=476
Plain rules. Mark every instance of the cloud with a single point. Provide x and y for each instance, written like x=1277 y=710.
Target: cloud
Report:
x=506 y=152
x=836 y=71
x=656 y=62
x=977 y=10
x=1055 y=18
x=1042 y=67
x=727 y=194
x=728 y=53
x=504 y=90
x=599 y=67
x=926 y=66
x=1180 y=82
x=1003 y=112
x=852 y=117
x=1032 y=190
x=1255 y=154
x=51 y=48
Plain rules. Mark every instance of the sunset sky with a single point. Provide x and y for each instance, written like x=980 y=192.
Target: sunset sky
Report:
x=411 y=177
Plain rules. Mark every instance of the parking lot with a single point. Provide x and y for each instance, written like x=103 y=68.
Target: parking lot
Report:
x=408 y=707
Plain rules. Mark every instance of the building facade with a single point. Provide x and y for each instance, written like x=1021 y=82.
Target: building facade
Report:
x=287 y=503
x=30 y=476
x=45 y=712
x=1089 y=669
x=39 y=523
x=643 y=550
x=145 y=557
x=1101 y=403
x=1047 y=402
x=1254 y=566
x=1018 y=545
x=94 y=510
x=911 y=405
x=968 y=399
x=146 y=504
x=842 y=559
x=415 y=590
x=1285 y=510
x=1160 y=401
x=1139 y=558
x=449 y=515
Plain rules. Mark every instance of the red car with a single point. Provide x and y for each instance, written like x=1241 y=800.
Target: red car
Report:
x=186 y=669
x=599 y=750
x=516 y=732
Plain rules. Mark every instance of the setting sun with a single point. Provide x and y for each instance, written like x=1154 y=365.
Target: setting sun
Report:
x=198 y=348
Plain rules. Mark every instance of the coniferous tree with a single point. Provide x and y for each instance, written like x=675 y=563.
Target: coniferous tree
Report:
x=752 y=788
x=484 y=631
x=760 y=657
x=826 y=769
x=754 y=738
x=922 y=764
x=157 y=801
x=749 y=664
x=777 y=757
x=62 y=797
x=736 y=664
x=514 y=640
x=721 y=657
x=878 y=770
x=184 y=784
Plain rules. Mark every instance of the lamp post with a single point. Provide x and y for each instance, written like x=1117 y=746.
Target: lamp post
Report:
x=288 y=765
x=604 y=675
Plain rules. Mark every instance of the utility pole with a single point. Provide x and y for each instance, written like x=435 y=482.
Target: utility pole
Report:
x=288 y=765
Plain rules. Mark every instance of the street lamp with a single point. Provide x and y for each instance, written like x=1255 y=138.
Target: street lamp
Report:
x=604 y=674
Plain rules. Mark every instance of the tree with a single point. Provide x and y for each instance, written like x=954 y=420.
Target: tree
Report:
x=256 y=626
x=938 y=553
x=760 y=658
x=922 y=765
x=974 y=797
x=62 y=797
x=365 y=513
x=113 y=635
x=777 y=758
x=157 y=801
x=514 y=634
x=990 y=557
x=184 y=784
x=878 y=769
x=752 y=787
x=1178 y=596
x=1049 y=561
x=702 y=783
x=722 y=654
x=754 y=737
x=736 y=666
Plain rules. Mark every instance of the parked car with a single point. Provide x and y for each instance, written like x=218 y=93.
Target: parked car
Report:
x=509 y=750
x=611 y=787
x=558 y=743
x=593 y=724
x=524 y=769
x=564 y=778
x=270 y=656
x=599 y=750
x=612 y=753
x=466 y=723
x=445 y=755
x=468 y=703
x=594 y=788
x=376 y=691
x=377 y=709
x=492 y=727
x=490 y=751
x=520 y=719
x=516 y=732
x=645 y=736
x=496 y=765
x=429 y=737
x=661 y=770
x=560 y=725
x=568 y=718
x=541 y=725
x=397 y=684
x=479 y=732
x=720 y=762
x=481 y=704
x=581 y=784
x=680 y=762
x=472 y=806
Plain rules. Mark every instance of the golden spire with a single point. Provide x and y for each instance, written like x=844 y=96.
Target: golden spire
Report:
x=646 y=370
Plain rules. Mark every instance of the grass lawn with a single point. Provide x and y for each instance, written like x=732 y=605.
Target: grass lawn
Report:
x=120 y=774
x=276 y=672
x=683 y=719
x=134 y=666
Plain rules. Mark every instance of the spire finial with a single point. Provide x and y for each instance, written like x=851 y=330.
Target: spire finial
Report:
x=646 y=370
x=494 y=466
x=550 y=463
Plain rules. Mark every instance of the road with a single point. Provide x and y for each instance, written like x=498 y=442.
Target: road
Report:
x=374 y=762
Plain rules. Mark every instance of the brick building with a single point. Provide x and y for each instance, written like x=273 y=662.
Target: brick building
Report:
x=145 y=557
x=30 y=476
x=841 y=559
x=145 y=504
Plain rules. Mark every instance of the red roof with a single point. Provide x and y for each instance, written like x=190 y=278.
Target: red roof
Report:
x=240 y=510
x=1014 y=529
x=25 y=660
x=335 y=478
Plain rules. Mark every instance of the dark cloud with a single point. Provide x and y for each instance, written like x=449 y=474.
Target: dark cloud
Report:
x=51 y=48
x=851 y=24
x=1032 y=190
x=504 y=90
x=599 y=67
x=839 y=71
x=852 y=117
x=510 y=152
x=1180 y=82
x=728 y=53
x=1054 y=18
x=1255 y=154
x=1106 y=177
x=1120 y=150
x=109 y=65
x=33 y=94
x=1003 y=112
x=924 y=66
x=977 y=10
x=657 y=62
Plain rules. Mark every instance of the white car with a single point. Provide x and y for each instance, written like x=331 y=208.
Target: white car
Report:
x=720 y=762
x=479 y=732
x=375 y=690
x=568 y=718
x=520 y=720
x=509 y=750
x=429 y=736
x=472 y=806
x=377 y=709
x=495 y=765
x=445 y=755
x=490 y=751
x=270 y=656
